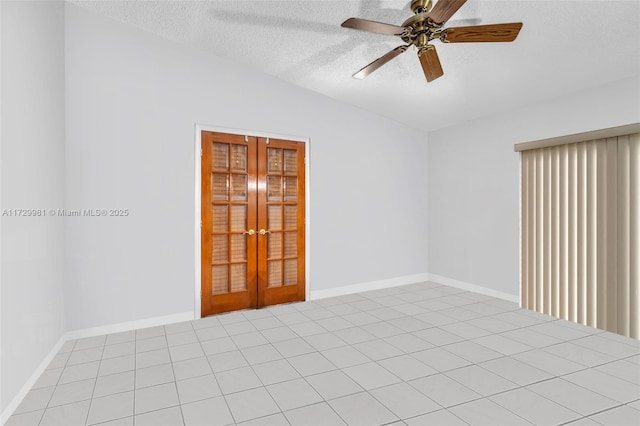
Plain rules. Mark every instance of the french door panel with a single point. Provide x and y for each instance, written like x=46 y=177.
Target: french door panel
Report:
x=253 y=241
x=229 y=248
x=281 y=198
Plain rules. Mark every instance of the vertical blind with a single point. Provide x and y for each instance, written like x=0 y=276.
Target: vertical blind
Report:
x=581 y=232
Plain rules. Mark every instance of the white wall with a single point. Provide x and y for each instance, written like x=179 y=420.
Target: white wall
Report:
x=132 y=102
x=473 y=180
x=32 y=163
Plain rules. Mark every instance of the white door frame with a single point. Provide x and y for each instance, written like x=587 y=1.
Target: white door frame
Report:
x=199 y=128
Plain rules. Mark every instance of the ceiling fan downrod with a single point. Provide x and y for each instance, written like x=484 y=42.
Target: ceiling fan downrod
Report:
x=421 y=6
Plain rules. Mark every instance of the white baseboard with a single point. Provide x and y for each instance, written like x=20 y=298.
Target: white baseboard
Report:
x=368 y=286
x=411 y=279
x=129 y=325
x=473 y=287
x=15 y=402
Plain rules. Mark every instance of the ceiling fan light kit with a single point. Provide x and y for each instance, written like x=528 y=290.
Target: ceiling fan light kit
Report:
x=425 y=25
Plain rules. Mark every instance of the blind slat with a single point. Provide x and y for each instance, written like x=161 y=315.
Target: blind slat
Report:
x=555 y=232
x=634 y=235
x=623 y=235
x=564 y=231
x=573 y=234
x=601 y=262
x=592 y=232
x=547 y=204
x=581 y=252
x=539 y=217
x=611 y=244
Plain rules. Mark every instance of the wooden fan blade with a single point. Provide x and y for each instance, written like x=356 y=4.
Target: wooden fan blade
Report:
x=379 y=62
x=444 y=9
x=483 y=33
x=373 y=26
x=430 y=63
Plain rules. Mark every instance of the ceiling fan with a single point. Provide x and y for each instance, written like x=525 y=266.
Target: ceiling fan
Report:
x=425 y=25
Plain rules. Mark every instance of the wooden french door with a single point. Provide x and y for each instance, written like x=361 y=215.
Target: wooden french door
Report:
x=252 y=240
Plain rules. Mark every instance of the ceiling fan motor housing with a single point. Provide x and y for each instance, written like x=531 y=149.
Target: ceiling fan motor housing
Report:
x=420 y=30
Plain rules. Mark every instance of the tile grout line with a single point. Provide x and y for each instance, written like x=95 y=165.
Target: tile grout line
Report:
x=135 y=374
x=56 y=385
x=173 y=372
x=86 y=420
x=213 y=374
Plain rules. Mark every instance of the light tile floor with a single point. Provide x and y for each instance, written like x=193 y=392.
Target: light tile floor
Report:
x=421 y=354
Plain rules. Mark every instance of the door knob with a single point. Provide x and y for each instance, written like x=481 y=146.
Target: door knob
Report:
x=264 y=232
x=249 y=232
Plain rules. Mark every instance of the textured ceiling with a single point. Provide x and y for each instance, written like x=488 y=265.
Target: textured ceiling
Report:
x=564 y=46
